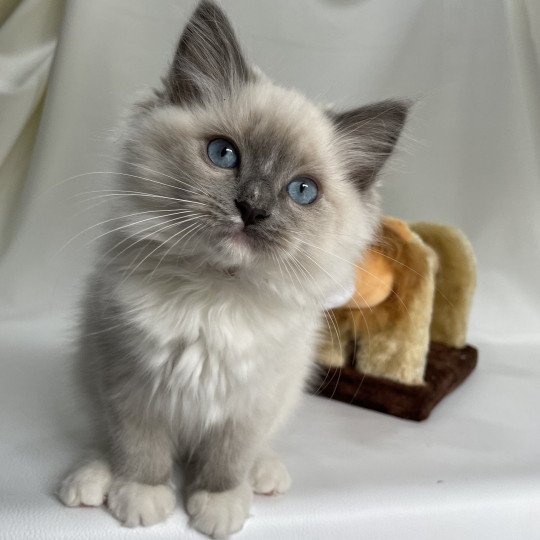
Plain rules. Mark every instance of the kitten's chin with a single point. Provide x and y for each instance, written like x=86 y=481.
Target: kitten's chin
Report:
x=240 y=248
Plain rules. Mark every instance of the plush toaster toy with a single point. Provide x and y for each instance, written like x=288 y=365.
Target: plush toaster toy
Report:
x=399 y=344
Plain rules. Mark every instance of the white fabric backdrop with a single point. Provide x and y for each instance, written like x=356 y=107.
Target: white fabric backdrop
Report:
x=469 y=158
x=27 y=43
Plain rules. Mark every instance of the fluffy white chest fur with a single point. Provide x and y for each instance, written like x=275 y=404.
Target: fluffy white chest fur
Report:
x=222 y=346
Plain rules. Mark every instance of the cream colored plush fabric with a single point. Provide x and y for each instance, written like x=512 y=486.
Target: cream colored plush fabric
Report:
x=455 y=282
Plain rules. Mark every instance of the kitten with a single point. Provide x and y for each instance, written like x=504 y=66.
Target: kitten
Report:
x=241 y=207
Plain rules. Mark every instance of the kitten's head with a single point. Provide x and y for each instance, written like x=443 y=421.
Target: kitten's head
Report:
x=238 y=173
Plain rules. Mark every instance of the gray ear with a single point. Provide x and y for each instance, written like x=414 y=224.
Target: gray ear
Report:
x=369 y=134
x=208 y=59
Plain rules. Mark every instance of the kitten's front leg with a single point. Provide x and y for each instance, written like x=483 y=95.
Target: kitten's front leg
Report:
x=134 y=480
x=219 y=495
x=141 y=456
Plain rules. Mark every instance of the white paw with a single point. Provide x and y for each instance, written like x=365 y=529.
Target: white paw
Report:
x=220 y=514
x=268 y=475
x=88 y=485
x=137 y=504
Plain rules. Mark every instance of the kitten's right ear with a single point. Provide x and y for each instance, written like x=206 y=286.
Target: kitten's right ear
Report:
x=208 y=60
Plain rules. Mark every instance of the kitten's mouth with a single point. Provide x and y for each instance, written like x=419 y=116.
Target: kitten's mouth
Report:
x=245 y=243
x=244 y=240
x=241 y=237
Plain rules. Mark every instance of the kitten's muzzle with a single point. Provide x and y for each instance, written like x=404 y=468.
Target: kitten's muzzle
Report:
x=250 y=214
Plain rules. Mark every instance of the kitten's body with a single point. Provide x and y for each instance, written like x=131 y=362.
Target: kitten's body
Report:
x=207 y=347
x=199 y=326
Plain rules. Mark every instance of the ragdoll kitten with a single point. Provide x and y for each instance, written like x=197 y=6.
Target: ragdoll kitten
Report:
x=241 y=208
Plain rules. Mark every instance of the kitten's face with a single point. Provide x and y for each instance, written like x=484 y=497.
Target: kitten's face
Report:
x=280 y=171
x=243 y=174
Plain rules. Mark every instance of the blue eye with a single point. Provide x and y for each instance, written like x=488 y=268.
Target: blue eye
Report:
x=302 y=190
x=222 y=153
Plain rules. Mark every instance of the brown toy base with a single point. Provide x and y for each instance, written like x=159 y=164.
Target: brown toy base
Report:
x=446 y=369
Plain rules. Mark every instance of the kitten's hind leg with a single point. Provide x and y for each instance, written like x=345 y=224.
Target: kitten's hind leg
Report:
x=268 y=475
x=87 y=485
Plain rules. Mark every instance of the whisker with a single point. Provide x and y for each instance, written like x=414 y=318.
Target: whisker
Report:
x=117 y=192
x=188 y=231
x=363 y=270
x=414 y=272
x=101 y=223
x=162 y=173
x=181 y=189
x=401 y=263
x=326 y=314
x=134 y=269
x=355 y=338
x=182 y=213
x=117 y=173
x=345 y=290
x=171 y=223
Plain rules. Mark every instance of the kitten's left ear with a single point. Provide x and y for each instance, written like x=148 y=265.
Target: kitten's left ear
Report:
x=369 y=135
x=208 y=59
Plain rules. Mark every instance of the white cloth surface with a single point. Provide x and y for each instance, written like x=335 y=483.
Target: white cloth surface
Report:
x=470 y=471
x=469 y=158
